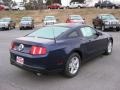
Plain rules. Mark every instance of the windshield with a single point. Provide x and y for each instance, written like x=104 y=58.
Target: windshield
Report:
x=49 y=18
x=76 y=17
x=26 y=19
x=108 y=17
x=5 y=20
x=48 y=32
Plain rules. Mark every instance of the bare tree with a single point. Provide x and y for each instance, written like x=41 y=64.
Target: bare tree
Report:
x=8 y=3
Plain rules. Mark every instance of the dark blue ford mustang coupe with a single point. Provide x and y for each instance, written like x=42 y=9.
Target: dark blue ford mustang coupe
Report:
x=61 y=47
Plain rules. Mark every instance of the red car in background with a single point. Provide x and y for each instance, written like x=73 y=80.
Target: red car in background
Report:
x=1 y=8
x=75 y=19
x=55 y=6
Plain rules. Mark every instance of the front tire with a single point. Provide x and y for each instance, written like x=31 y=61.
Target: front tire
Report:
x=109 y=48
x=21 y=28
x=72 y=65
x=103 y=28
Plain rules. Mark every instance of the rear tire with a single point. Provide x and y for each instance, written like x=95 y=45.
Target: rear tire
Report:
x=72 y=65
x=113 y=7
x=21 y=28
x=95 y=27
x=98 y=7
x=8 y=28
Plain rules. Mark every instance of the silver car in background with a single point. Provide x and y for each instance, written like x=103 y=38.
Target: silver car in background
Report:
x=49 y=20
x=26 y=22
x=7 y=23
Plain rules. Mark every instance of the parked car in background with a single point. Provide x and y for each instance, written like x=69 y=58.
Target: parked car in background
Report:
x=26 y=22
x=55 y=6
x=1 y=7
x=76 y=5
x=7 y=24
x=75 y=19
x=49 y=20
x=18 y=8
x=5 y=7
x=106 y=21
x=106 y=4
x=60 y=47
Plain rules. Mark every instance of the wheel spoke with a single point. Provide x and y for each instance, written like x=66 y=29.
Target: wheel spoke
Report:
x=74 y=65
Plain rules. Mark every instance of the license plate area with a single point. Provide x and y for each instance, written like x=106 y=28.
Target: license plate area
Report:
x=20 y=60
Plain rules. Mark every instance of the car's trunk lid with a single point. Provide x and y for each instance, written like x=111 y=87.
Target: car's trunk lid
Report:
x=24 y=44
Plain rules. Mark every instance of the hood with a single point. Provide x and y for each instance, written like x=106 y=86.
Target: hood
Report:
x=112 y=21
x=4 y=23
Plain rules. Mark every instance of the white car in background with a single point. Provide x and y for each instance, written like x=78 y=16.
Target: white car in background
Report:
x=50 y=20
x=76 y=5
x=18 y=8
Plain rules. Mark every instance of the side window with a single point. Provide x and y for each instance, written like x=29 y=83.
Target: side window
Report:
x=73 y=34
x=87 y=31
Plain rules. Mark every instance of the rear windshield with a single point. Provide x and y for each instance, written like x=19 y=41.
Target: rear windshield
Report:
x=48 y=32
x=26 y=19
x=49 y=18
x=76 y=17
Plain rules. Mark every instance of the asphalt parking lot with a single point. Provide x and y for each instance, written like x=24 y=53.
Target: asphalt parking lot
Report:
x=102 y=73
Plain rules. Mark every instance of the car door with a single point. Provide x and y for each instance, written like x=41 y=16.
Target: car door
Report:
x=93 y=43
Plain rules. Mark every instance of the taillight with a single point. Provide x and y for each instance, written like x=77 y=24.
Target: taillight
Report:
x=37 y=50
x=13 y=45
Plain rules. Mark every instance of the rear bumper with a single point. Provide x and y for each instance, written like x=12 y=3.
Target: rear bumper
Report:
x=29 y=68
x=42 y=64
x=25 y=26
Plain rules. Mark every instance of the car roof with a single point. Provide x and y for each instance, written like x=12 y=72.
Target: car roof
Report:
x=69 y=25
x=27 y=17
x=49 y=16
x=74 y=15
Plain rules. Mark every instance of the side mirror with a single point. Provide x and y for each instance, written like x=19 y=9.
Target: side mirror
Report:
x=98 y=33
